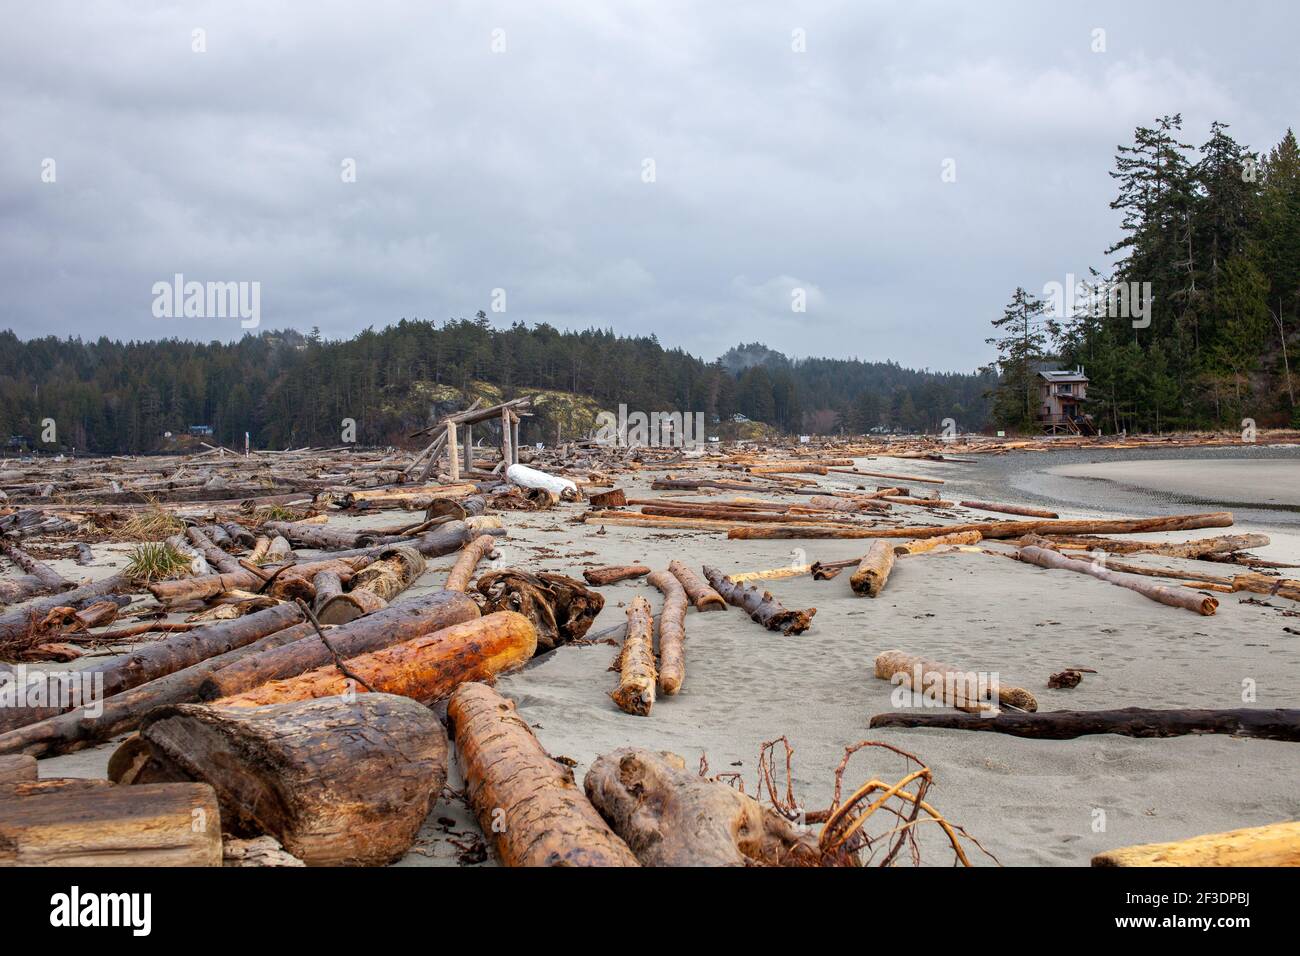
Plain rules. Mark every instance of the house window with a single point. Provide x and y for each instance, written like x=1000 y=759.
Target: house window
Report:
x=1066 y=389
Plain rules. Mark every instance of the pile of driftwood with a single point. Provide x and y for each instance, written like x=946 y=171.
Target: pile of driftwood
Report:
x=267 y=671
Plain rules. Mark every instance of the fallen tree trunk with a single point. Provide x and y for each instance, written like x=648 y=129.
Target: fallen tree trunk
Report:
x=392 y=625
x=209 y=586
x=921 y=545
x=1263 y=724
x=598 y=577
x=302 y=535
x=1009 y=509
x=998 y=529
x=635 y=693
x=467 y=563
x=873 y=570
x=761 y=605
x=672 y=633
x=167 y=824
x=669 y=816
x=16 y=622
x=772 y=574
x=1174 y=597
x=965 y=690
x=1277 y=844
x=150 y=661
x=526 y=477
x=41 y=579
x=78 y=729
x=339 y=782
x=425 y=668
x=527 y=803
x=1224 y=544
x=698 y=592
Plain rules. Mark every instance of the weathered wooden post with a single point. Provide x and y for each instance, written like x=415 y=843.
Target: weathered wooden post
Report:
x=453 y=453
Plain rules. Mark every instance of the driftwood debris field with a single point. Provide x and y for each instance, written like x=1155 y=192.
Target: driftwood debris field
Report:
x=466 y=653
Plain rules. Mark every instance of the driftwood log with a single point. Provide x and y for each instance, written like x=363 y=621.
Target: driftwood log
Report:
x=955 y=687
x=425 y=668
x=997 y=529
x=166 y=824
x=374 y=586
x=560 y=607
x=15 y=623
x=527 y=803
x=598 y=577
x=672 y=633
x=873 y=570
x=392 y=625
x=1276 y=724
x=338 y=781
x=1173 y=597
x=77 y=729
x=761 y=605
x=463 y=571
x=1009 y=509
x=635 y=663
x=698 y=592
x=1277 y=844
x=921 y=545
x=148 y=662
x=670 y=816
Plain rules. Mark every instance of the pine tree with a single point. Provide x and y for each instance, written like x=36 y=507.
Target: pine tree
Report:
x=1020 y=351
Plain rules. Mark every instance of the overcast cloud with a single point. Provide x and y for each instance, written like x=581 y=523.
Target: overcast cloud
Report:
x=523 y=170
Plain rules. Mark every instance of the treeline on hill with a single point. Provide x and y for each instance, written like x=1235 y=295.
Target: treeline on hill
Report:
x=291 y=390
x=1216 y=233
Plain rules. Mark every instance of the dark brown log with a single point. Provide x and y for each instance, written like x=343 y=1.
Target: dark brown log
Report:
x=338 y=781
x=527 y=803
x=425 y=668
x=1264 y=724
x=560 y=607
x=698 y=591
x=168 y=824
x=761 y=605
x=148 y=662
x=612 y=574
x=669 y=816
x=77 y=730
x=207 y=586
x=394 y=624
x=999 y=529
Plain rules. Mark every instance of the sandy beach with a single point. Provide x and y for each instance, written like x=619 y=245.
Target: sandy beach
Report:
x=1029 y=802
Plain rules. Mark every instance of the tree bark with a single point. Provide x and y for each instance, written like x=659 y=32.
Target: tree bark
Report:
x=873 y=570
x=1128 y=722
x=921 y=545
x=425 y=668
x=761 y=605
x=672 y=633
x=635 y=693
x=374 y=586
x=669 y=816
x=339 y=782
x=1277 y=844
x=168 y=824
x=15 y=623
x=392 y=625
x=527 y=803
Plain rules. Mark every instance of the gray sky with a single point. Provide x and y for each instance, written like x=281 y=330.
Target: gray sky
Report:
x=524 y=170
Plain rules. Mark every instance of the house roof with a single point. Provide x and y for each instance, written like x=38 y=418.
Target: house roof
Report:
x=1064 y=375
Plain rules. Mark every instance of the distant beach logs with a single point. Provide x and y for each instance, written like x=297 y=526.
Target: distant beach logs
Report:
x=1263 y=724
